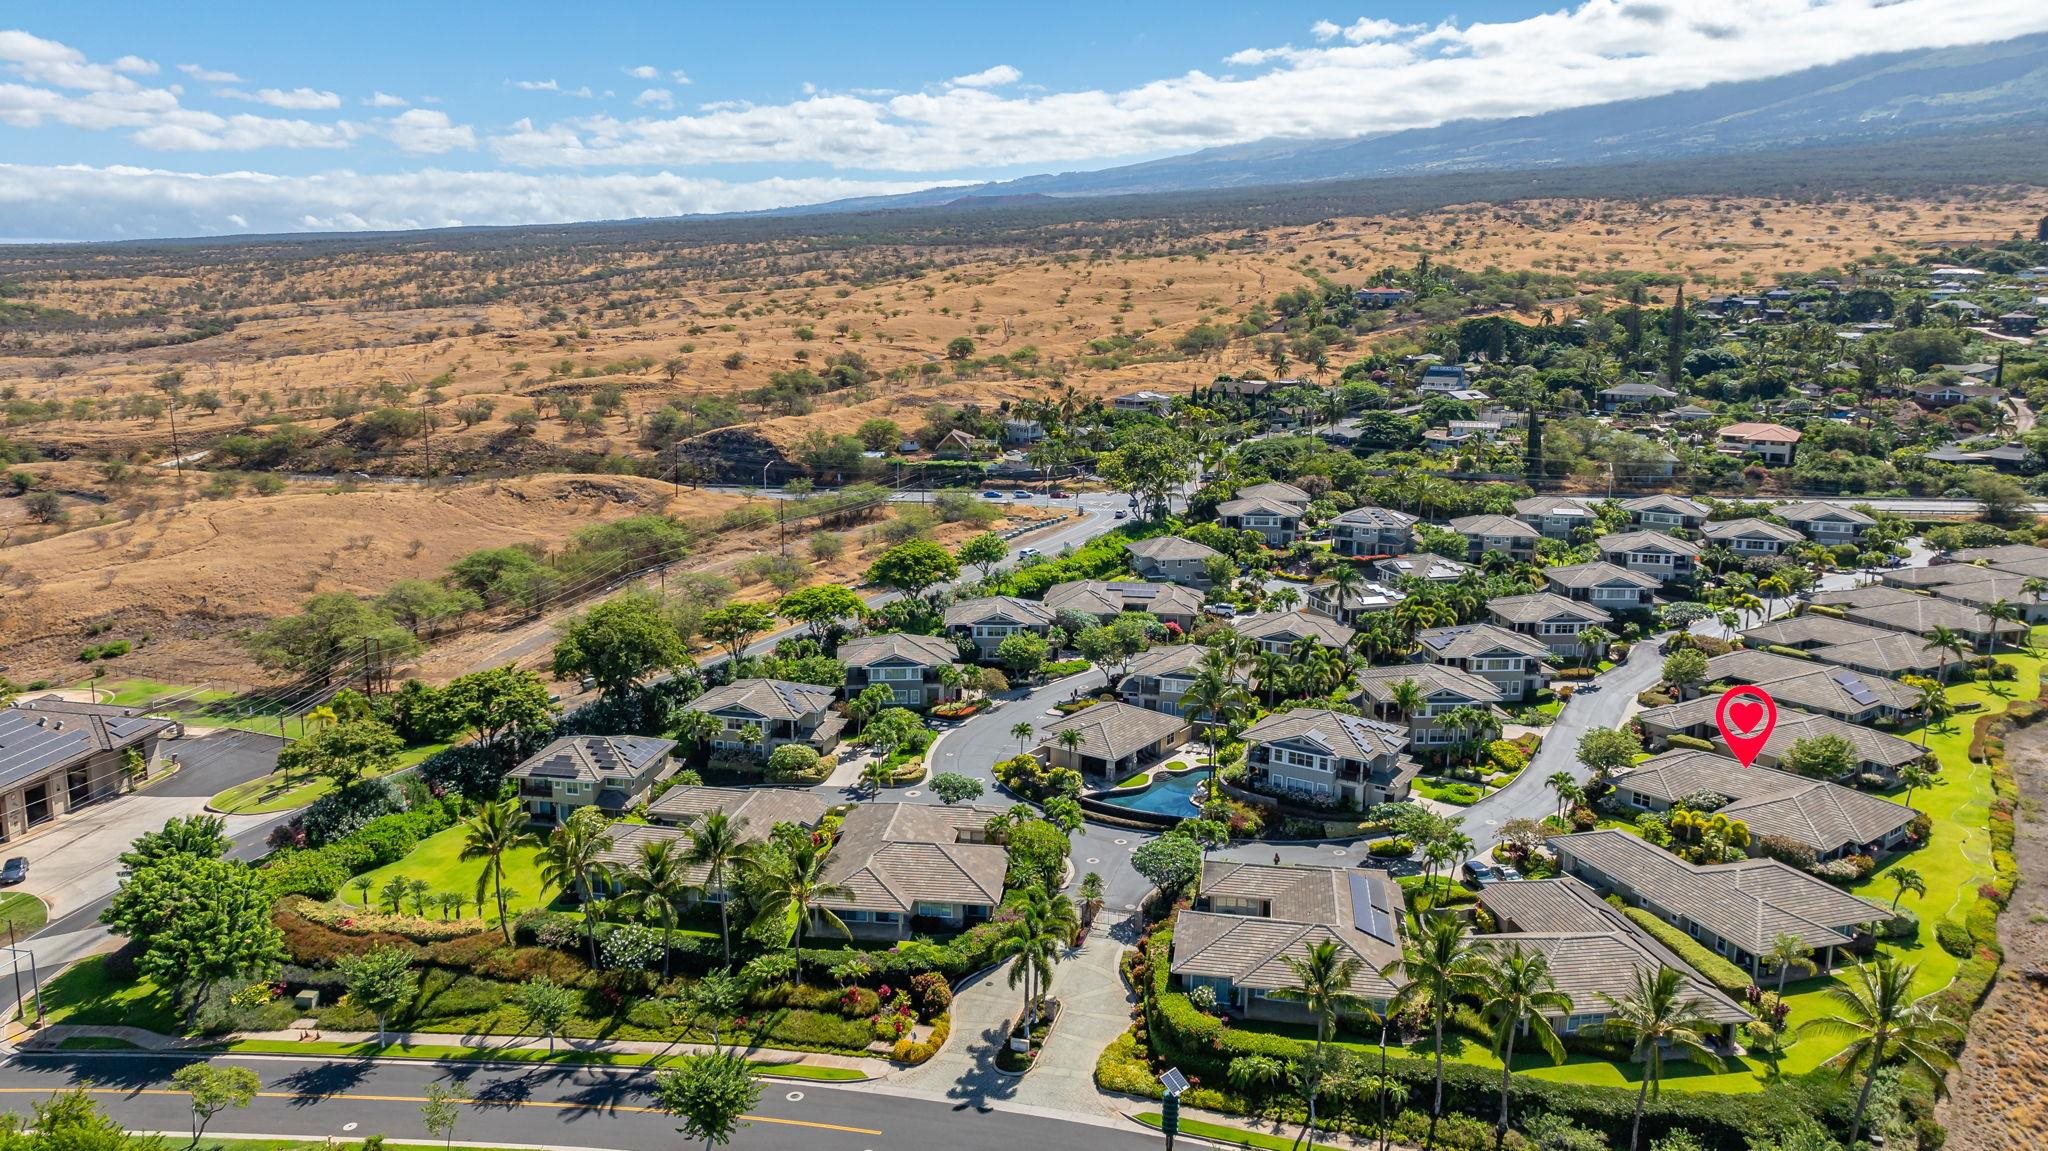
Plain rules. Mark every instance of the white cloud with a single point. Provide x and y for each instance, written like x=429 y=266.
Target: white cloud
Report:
x=1324 y=30
x=136 y=66
x=48 y=62
x=424 y=132
x=536 y=85
x=656 y=98
x=77 y=201
x=643 y=72
x=297 y=99
x=679 y=76
x=385 y=100
x=1365 y=29
x=208 y=75
x=995 y=77
x=204 y=132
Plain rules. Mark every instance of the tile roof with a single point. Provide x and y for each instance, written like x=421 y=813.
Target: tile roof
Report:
x=1378 y=682
x=922 y=650
x=1168 y=659
x=1274 y=490
x=893 y=854
x=1891 y=653
x=1553 y=506
x=1939 y=575
x=38 y=740
x=1376 y=517
x=1299 y=624
x=1491 y=525
x=1798 y=630
x=969 y=612
x=1346 y=736
x=2003 y=553
x=1871 y=746
x=1818 y=509
x=1106 y=598
x=1820 y=814
x=1421 y=565
x=1544 y=605
x=761 y=807
x=1164 y=548
x=1472 y=639
x=1876 y=595
x=1596 y=573
x=1749 y=903
x=1750 y=526
x=1926 y=614
x=1253 y=505
x=591 y=757
x=1645 y=541
x=1113 y=730
x=768 y=698
x=1748 y=665
x=1665 y=503
x=1762 y=433
x=1357 y=909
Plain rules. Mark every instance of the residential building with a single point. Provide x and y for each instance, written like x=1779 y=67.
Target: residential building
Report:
x=911 y=666
x=1636 y=396
x=1772 y=444
x=1172 y=559
x=754 y=812
x=1154 y=403
x=781 y=711
x=1750 y=536
x=1279 y=524
x=1512 y=662
x=1920 y=615
x=1981 y=594
x=1022 y=431
x=1555 y=517
x=990 y=621
x=1279 y=631
x=1604 y=585
x=1287 y=494
x=1670 y=559
x=1664 y=513
x=610 y=772
x=1595 y=953
x=1116 y=739
x=1329 y=758
x=1823 y=816
x=913 y=869
x=1106 y=599
x=1420 y=565
x=1444 y=379
x=1248 y=919
x=1346 y=605
x=1371 y=531
x=57 y=756
x=1159 y=676
x=1381 y=297
x=1878 y=753
x=1736 y=909
x=1445 y=692
x=1553 y=619
x=1490 y=533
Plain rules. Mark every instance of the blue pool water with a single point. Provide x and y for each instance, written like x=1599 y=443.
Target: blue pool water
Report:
x=1174 y=795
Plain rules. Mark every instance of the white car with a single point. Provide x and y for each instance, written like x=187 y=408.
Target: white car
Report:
x=1027 y=553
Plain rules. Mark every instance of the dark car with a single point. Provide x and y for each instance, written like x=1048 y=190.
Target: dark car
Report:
x=991 y=495
x=1482 y=873
x=14 y=870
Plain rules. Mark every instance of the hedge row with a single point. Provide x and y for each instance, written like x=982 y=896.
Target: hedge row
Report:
x=1725 y=975
x=320 y=872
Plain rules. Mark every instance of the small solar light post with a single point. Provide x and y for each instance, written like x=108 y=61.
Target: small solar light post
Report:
x=1169 y=1113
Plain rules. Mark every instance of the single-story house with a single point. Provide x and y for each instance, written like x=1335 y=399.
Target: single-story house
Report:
x=57 y=756
x=1116 y=739
x=1920 y=615
x=1878 y=753
x=1821 y=815
x=913 y=868
x=610 y=772
x=1329 y=758
x=1106 y=599
x=754 y=812
x=1636 y=396
x=1248 y=919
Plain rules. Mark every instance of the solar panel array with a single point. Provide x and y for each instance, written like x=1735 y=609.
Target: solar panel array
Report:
x=1371 y=909
x=1852 y=683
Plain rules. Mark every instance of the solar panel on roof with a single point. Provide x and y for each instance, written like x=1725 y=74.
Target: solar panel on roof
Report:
x=1853 y=684
x=1370 y=909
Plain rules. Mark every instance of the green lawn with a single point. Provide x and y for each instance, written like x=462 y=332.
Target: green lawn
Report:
x=271 y=794
x=1231 y=1136
x=23 y=912
x=96 y=1043
x=444 y=1053
x=198 y=706
x=88 y=993
x=438 y=860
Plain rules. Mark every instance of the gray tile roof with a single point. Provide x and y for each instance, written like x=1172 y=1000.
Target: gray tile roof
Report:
x=1170 y=548
x=1300 y=625
x=1115 y=729
x=969 y=612
x=1421 y=565
x=1553 y=506
x=2003 y=553
x=1168 y=659
x=902 y=647
x=1891 y=654
x=591 y=757
x=761 y=807
x=1938 y=575
x=1875 y=595
x=1494 y=526
x=1926 y=614
x=1871 y=746
x=1677 y=505
x=1474 y=639
x=1105 y=597
x=1822 y=815
x=1346 y=736
x=1645 y=541
x=2011 y=588
x=1748 y=665
x=36 y=741
x=1802 y=630
x=1357 y=909
x=1376 y=517
x=1596 y=573
x=1748 y=903
x=1545 y=605
x=1720 y=530
x=1256 y=505
x=768 y=698
x=893 y=854
x=1377 y=683
x=1817 y=510
x=1274 y=490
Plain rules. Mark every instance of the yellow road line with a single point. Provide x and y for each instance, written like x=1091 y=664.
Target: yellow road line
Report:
x=547 y=1103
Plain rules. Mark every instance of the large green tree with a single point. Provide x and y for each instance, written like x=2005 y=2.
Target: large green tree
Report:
x=334 y=635
x=379 y=981
x=711 y=1094
x=736 y=625
x=914 y=568
x=1657 y=1019
x=821 y=608
x=984 y=551
x=497 y=700
x=198 y=836
x=618 y=642
x=198 y=921
x=1150 y=467
x=344 y=754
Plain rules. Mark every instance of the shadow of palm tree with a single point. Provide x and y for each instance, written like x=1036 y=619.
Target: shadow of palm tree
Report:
x=309 y=1085
x=983 y=1084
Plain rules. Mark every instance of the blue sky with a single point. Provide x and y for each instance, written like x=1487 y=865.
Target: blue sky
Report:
x=123 y=120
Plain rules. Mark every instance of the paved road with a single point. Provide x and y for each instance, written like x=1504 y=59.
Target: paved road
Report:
x=584 y=1108
x=218 y=760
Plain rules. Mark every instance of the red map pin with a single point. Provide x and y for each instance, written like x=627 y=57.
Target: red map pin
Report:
x=1746 y=715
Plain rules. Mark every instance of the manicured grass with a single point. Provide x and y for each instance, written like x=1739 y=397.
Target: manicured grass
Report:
x=438 y=860
x=24 y=912
x=444 y=1053
x=271 y=794
x=1230 y=1136
x=197 y=706
x=1445 y=791
x=96 y=1043
x=1135 y=780
x=90 y=993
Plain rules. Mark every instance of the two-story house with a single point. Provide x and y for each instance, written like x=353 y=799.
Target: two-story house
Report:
x=1636 y=396
x=1329 y=758
x=1490 y=533
x=911 y=666
x=990 y=621
x=1445 y=691
x=1172 y=559
x=1668 y=558
x=1105 y=600
x=1825 y=523
x=610 y=772
x=1277 y=522
x=1248 y=919
x=1279 y=631
x=1604 y=585
x=1665 y=513
x=1773 y=444
x=780 y=711
x=1371 y=531
x=913 y=868
x=1149 y=402
x=1514 y=663
x=1159 y=676
x=1750 y=536
x=1555 y=517
x=1419 y=565
x=1551 y=618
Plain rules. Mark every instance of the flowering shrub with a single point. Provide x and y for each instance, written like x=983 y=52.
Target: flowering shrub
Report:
x=934 y=996
x=630 y=947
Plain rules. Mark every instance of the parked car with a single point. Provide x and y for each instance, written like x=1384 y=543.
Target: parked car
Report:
x=1122 y=515
x=1057 y=494
x=1027 y=553
x=14 y=870
x=1220 y=610
x=1482 y=873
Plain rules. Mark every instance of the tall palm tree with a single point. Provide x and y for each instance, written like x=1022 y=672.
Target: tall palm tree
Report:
x=718 y=844
x=1561 y=782
x=2002 y=610
x=1933 y=705
x=1440 y=964
x=1652 y=1018
x=1041 y=924
x=572 y=861
x=1345 y=580
x=1407 y=697
x=1322 y=983
x=495 y=830
x=792 y=885
x=1273 y=668
x=1023 y=731
x=1905 y=879
x=1948 y=641
x=1881 y=1019
x=1593 y=641
x=1212 y=696
x=658 y=885
x=1785 y=953
x=1518 y=994
x=1915 y=777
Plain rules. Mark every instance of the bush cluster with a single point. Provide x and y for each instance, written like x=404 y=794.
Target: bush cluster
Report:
x=1725 y=975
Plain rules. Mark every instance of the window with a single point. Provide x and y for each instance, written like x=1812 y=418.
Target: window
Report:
x=937 y=910
x=889 y=917
x=895 y=674
x=1574 y=1023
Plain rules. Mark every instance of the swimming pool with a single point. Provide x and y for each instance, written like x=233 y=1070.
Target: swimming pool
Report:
x=1174 y=795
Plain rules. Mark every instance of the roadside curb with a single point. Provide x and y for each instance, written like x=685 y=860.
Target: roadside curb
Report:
x=762 y=1070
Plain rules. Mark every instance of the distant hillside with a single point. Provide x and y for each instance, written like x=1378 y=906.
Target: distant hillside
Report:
x=1868 y=100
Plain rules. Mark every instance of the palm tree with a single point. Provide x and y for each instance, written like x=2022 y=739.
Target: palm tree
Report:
x=1593 y=641
x=495 y=829
x=1022 y=731
x=1071 y=740
x=1215 y=698
x=792 y=885
x=1948 y=641
x=1273 y=667
x=1322 y=983
x=1043 y=923
x=1915 y=776
x=1519 y=994
x=1407 y=697
x=1905 y=879
x=2002 y=610
x=1474 y=725
x=1652 y=1018
x=1881 y=1020
x=1345 y=580
x=1561 y=782
x=657 y=884
x=718 y=844
x=1933 y=704
x=1785 y=953
x=573 y=860
x=1440 y=964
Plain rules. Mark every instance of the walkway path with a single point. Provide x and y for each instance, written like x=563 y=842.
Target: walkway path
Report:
x=964 y=1070
x=1095 y=1008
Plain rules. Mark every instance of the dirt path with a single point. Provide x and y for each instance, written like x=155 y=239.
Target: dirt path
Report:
x=1999 y=1098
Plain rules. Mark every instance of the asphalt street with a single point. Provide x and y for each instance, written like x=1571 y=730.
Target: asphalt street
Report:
x=581 y=1107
